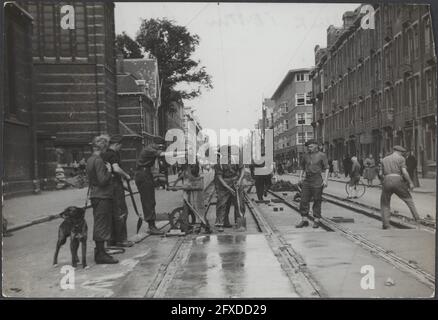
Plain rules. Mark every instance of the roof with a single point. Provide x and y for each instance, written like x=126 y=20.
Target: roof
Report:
x=144 y=69
x=287 y=79
x=126 y=84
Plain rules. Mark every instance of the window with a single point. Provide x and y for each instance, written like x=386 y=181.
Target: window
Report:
x=286 y=124
x=300 y=117
x=416 y=42
x=299 y=99
x=308 y=98
x=429 y=85
x=300 y=77
x=302 y=137
x=309 y=117
x=427 y=34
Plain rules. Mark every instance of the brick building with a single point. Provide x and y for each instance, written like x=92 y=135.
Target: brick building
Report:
x=375 y=88
x=137 y=81
x=19 y=153
x=74 y=80
x=292 y=115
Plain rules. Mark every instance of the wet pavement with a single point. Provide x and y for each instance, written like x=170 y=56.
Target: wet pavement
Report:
x=230 y=266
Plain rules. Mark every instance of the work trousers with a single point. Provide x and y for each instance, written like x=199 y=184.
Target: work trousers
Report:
x=145 y=185
x=312 y=188
x=103 y=213
x=260 y=186
x=391 y=185
x=224 y=201
x=119 y=230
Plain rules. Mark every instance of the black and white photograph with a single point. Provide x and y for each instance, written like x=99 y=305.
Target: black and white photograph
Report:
x=223 y=150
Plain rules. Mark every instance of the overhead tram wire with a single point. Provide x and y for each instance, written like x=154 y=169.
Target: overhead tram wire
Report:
x=197 y=14
x=299 y=47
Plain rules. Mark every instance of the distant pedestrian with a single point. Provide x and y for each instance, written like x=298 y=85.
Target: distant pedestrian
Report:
x=354 y=177
x=360 y=160
x=411 y=164
x=396 y=180
x=335 y=164
x=346 y=163
x=370 y=171
x=330 y=162
x=313 y=164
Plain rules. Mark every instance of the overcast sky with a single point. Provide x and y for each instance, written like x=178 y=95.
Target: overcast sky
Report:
x=246 y=47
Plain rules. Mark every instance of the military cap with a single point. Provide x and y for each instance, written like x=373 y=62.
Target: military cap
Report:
x=117 y=138
x=399 y=148
x=309 y=142
x=159 y=140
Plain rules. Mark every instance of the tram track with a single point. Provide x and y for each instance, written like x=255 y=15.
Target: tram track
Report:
x=177 y=257
x=397 y=221
x=292 y=263
x=384 y=254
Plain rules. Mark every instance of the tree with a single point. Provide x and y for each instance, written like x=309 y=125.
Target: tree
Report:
x=172 y=45
x=128 y=47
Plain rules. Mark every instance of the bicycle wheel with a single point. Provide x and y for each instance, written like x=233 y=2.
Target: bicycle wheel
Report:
x=360 y=189
x=357 y=191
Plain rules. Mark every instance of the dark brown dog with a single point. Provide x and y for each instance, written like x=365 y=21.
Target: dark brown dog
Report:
x=75 y=227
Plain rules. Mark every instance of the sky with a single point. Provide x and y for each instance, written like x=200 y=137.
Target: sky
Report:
x=247 y=48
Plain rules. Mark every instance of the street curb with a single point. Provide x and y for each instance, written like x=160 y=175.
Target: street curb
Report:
x=48 y=218
x=43 y=219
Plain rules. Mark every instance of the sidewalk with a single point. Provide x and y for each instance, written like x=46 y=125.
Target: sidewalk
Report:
x=47 y=205
x=424 y=201
x=426 y=185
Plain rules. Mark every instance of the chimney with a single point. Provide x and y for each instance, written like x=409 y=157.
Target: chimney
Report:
x=119 y=64
x=332 y=35
x=348 y=17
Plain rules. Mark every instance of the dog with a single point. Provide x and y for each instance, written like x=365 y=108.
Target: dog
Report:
x=75 y=227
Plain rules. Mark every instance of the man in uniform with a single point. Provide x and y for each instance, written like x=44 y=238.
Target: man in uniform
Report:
x=119 y=236
x=144 y=181
x=228 y=176
x=395 y=181
x=102 y=198
x=313 y=163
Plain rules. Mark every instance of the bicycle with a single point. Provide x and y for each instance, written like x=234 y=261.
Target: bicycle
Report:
x=357 y=191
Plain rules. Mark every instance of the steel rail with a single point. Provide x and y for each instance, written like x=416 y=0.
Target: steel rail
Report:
x=388 y=256
x=177 y=257
x=291 y=262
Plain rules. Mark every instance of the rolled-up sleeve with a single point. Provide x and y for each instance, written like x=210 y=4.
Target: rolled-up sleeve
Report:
x=324 y=162
x=402 y=163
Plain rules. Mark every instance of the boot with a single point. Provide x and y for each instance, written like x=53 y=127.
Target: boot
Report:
x=153 y=230
x=100 y=256
x=303 y=223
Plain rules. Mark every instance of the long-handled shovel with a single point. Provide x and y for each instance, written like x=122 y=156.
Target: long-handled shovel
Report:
x=134 y=204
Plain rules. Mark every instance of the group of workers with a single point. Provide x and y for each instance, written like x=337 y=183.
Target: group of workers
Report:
x=395 y=180
x=107 y=191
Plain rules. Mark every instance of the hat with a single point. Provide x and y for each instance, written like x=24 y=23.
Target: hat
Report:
x=117 y=138
x=309 y=142
x=399 y=148
x=158 y=140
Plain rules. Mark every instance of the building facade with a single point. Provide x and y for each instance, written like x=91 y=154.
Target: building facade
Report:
x=375 y=88
x=19 y=154
x=74 y=79
x=292 y=115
